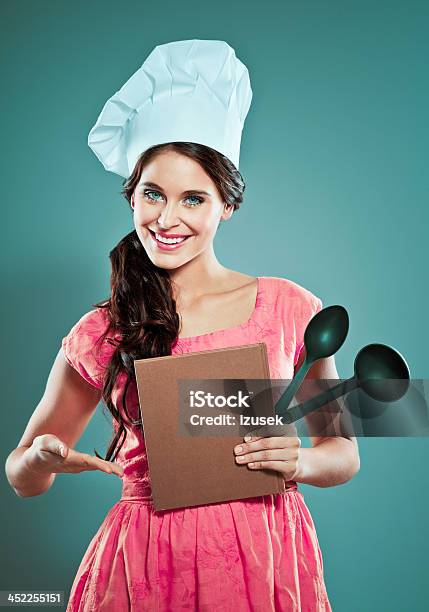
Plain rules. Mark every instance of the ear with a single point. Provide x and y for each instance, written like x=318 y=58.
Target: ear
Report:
x=132 y=201
x=227 y=212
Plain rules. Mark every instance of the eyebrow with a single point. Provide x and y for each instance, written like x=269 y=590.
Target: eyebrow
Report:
x=155 y=186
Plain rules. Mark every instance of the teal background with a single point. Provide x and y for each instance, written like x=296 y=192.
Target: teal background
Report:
x=334 y=155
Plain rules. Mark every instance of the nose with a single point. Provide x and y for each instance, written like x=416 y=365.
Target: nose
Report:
x=168 y=217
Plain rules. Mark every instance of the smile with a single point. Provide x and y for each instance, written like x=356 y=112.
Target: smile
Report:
x=167 y=244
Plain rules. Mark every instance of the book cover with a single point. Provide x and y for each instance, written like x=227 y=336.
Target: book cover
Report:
x=190 y=470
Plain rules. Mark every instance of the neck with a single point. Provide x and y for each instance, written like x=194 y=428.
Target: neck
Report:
x=198 y=277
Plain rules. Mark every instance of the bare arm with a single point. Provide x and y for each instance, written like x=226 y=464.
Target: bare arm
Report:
x=333 y=459
x=65 y=410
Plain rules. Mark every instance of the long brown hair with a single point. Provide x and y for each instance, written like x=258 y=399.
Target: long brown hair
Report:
x=141 y=306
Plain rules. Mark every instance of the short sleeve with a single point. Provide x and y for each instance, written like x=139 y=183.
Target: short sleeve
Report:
x=81 y=349
x=306 y=307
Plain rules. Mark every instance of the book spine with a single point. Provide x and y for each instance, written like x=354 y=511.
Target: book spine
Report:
x=281 y=484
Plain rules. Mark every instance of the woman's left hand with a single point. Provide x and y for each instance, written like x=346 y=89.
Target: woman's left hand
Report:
x=280 y=453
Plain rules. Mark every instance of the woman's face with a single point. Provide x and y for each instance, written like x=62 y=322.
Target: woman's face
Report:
x=176 y=198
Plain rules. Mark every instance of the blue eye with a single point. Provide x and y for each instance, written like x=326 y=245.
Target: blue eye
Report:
x=199 y=200
x=147 y=193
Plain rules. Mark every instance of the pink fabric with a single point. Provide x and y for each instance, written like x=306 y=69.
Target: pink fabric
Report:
x=258 y=554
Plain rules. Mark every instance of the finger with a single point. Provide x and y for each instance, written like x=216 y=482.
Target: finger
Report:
x=115 y=468
x=251 y=438
x=119 y=470
x=265 y=443
x=279 y=466
x=275 y=454
x=273 y=442
x=88 y=462
x=106 y=466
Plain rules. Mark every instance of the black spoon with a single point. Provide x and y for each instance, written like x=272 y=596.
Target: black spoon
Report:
x=323 y=337
x=374 y=365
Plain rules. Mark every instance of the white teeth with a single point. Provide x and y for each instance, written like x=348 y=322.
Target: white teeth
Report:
x=169 y=240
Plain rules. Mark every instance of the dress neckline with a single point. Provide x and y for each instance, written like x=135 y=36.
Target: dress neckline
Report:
x=235 y=327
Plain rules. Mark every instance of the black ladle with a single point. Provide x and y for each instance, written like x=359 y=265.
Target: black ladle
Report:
x=374 y=365
x=323 y=337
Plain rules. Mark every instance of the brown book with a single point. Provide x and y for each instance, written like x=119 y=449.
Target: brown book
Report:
x=189 y=470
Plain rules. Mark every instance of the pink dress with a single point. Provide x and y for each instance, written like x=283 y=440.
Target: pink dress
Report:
x=258 y=554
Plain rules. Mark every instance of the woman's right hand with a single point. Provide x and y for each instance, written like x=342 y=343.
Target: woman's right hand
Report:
x=45 y=457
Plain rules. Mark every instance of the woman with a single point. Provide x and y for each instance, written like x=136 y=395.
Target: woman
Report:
x=170 y=295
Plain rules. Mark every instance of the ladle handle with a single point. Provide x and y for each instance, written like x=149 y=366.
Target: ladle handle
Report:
x=297 y=412
x=285 y=399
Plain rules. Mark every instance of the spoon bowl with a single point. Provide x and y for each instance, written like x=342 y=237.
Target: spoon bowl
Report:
x=326 y=332
x=382 y=372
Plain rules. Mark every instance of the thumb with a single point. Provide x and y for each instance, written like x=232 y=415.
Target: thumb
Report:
x=61 y=449
x=51 y=444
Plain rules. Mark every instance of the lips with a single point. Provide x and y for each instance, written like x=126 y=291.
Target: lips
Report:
x=169 y=247
x=164 y=235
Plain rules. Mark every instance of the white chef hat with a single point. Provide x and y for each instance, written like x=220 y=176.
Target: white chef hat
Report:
x=188 y=90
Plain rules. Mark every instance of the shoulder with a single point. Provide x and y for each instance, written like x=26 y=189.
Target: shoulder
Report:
x=96 y=316
x=292 y=295
x=92 y=323
x=83 y=347
x=297 y=306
